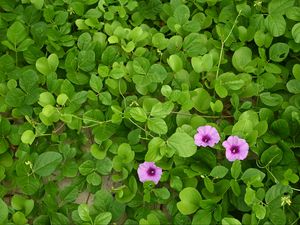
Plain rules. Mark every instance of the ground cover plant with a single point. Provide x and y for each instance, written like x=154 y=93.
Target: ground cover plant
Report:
x=149 y=112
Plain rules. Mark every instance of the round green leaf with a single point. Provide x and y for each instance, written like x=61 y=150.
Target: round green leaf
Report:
x=175 y=63
x=3 y=211
x=296 y=71
x=275 y=24
x=138 y=114
x=241 y=58
x=190 y=201
x=19 y=218
x=202 y=63
x=28 y=137
x=296 y=32
x=260 y=211
x=219 y=172
x=203 y=217
x=93 y=179
x=279 y=51
x=46 y=98
x=103 y=218
x=183 y=144
x=293 y=86
x=271 y=99
x=84 y=212
x=157 y=125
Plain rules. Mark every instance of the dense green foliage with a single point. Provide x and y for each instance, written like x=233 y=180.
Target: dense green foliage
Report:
x=89 y=89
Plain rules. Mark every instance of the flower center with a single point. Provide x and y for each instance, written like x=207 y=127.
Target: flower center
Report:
x=206 y=138
x=151 y=171
x=235 y=149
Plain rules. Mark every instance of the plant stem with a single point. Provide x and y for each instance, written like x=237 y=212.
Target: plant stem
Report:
x=223 y=43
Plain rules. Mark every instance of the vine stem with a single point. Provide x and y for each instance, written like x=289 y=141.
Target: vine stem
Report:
x=146 y=132
x=223 y=43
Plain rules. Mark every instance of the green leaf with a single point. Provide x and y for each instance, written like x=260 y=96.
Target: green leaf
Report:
x=62 y=99
x=241 y=58
x=37 y=3
x=157 y=73
x=47 y=65
x=97 y=152
x=277 y=191
x=195 y=44
x=221 y=90
x=182 y=14
x=203 y=217
x=15 y=97
x=159 y=41
x=219 y=172
x=176 y=183
x=260 y=211
x=3 y=145
x=175 y=63
x=202 y=63
x=93 y=179
x=162 y=193
x=28 y=137
x=103 y=218
x=190 y=201
x=230 y=221
x=280 y=6
x=277 y=216
x=250 y=197
x=157 y=125
x=201 y=99
x=105 y=98
x=236 y=169
x=3 y=212
x=125 y=153
x=46 y=163
x=271 y=99
x=17 y=202
x=235 y=187
x=153 y=154
x=86 y=167
x=281 y=128
x=104 y=166
x=96 y=83
x=138 y=114
x=162 y=110
x=16 y=33
x=25 y=45
x=276 y=24
x=296 y=71
x=209 y=184
x=86 y=60
x=19 y=218
x=293 y=13
x=253 y=177
x=296 y=32
x=279 y=51
x=217 y=106
x=231 y=81
x=84 y=212
x=46 y=98
x=28 y=80
x=183 y=144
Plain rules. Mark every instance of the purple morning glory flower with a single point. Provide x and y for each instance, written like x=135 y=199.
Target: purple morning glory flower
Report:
x=206 y=136
x=236 y=148
x=147 y=171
